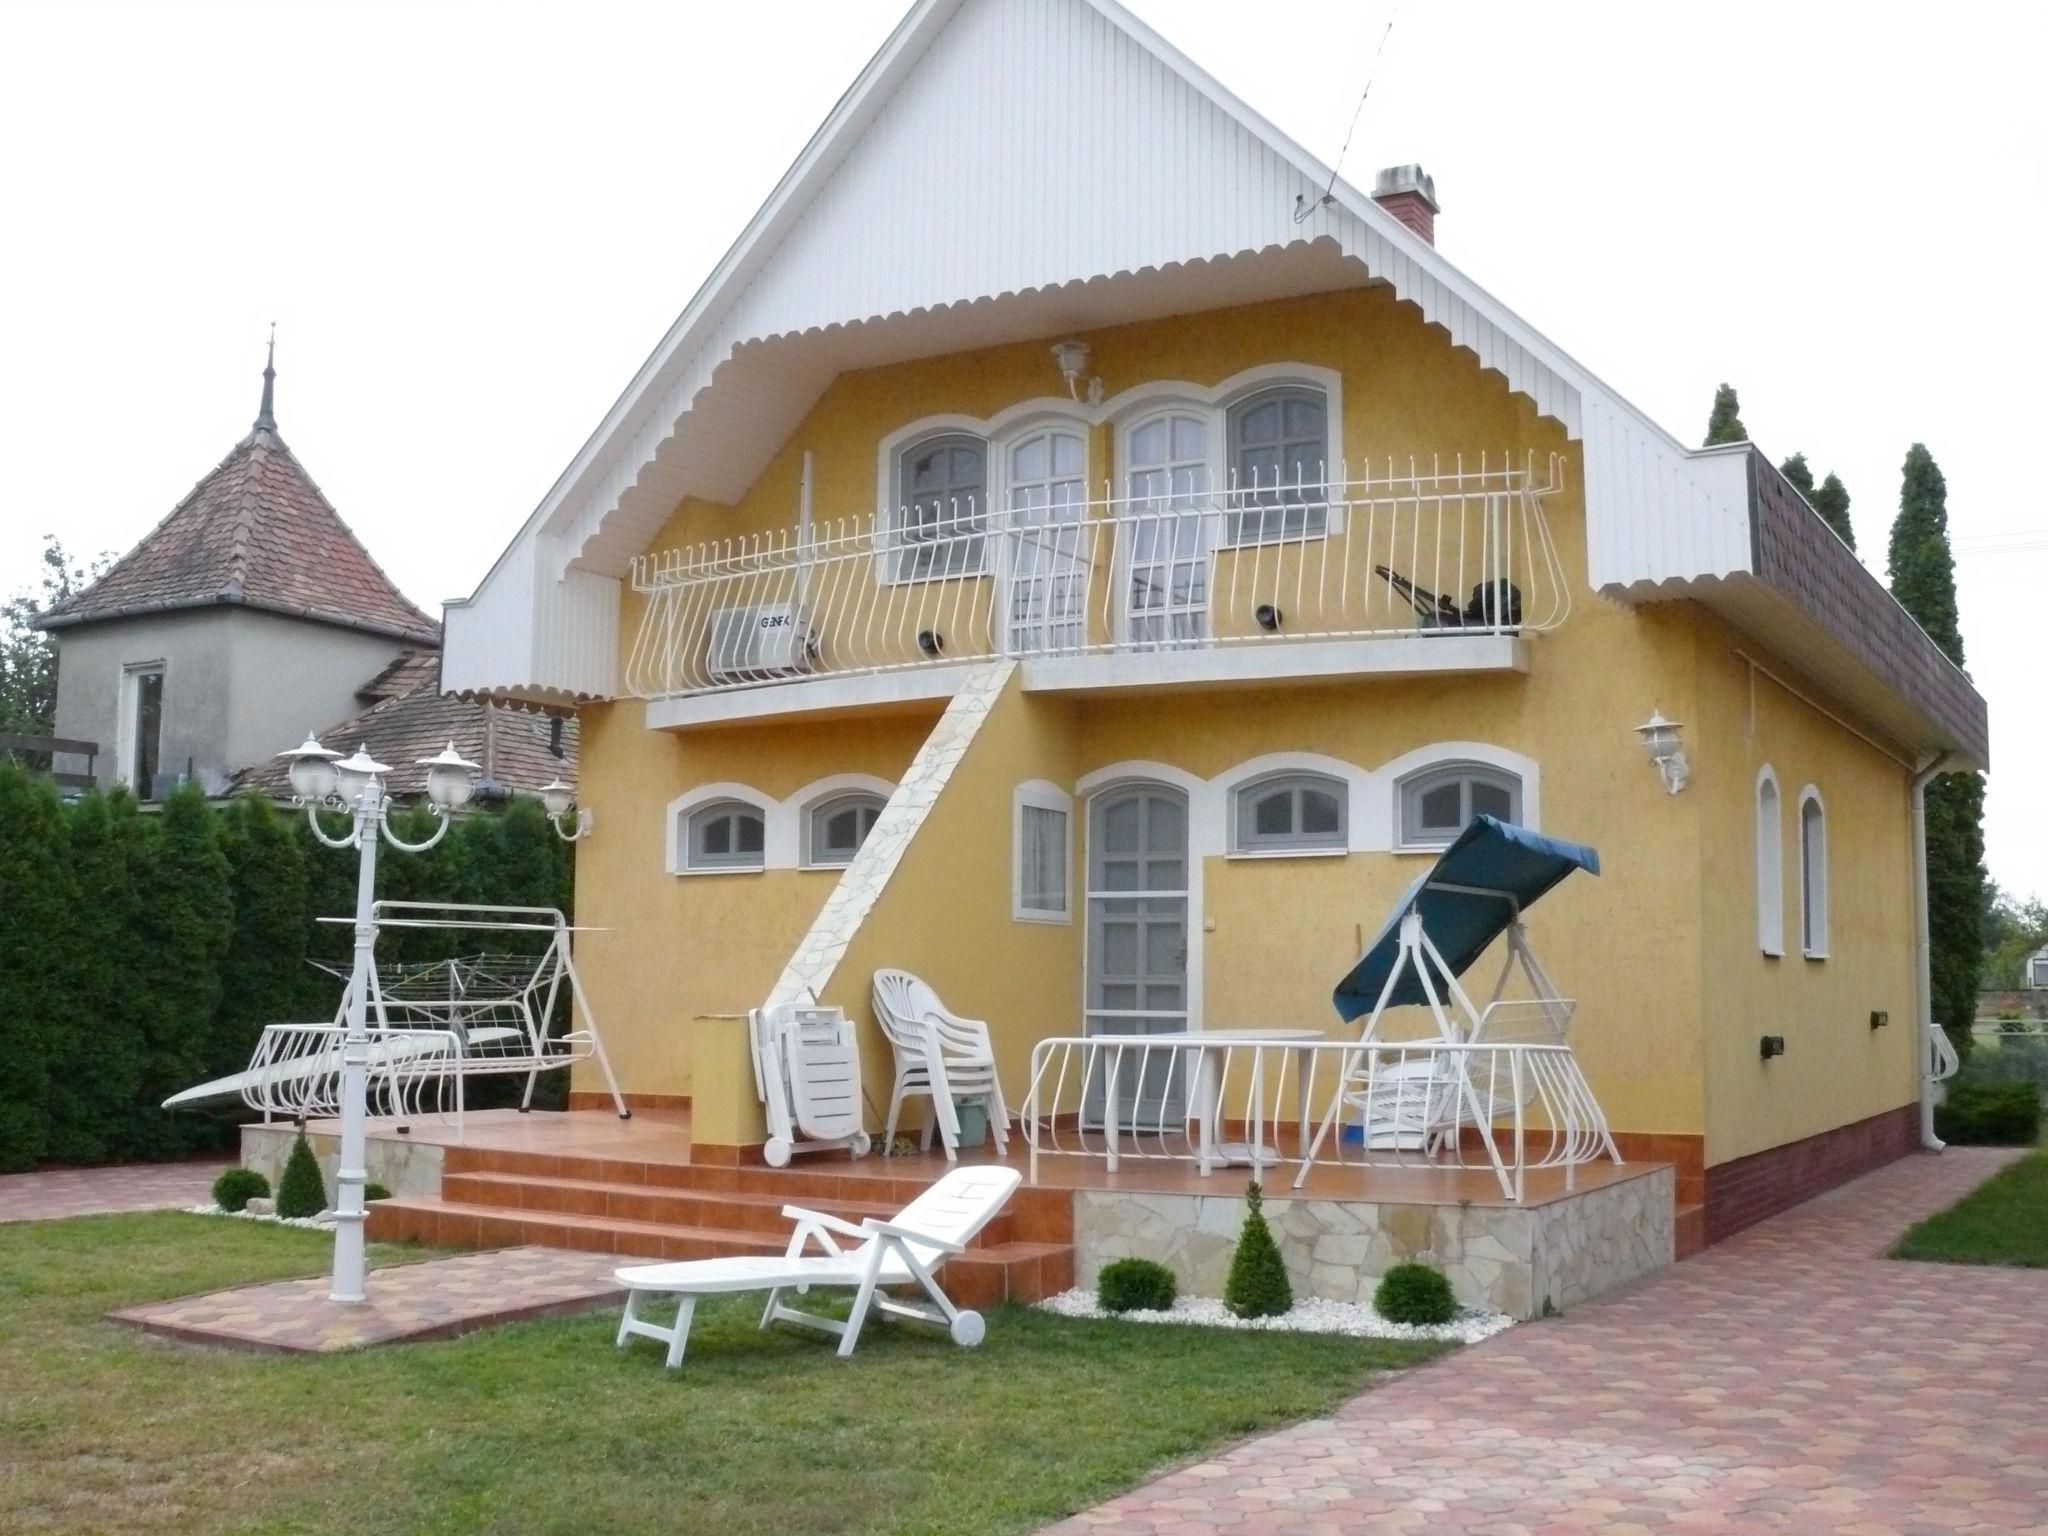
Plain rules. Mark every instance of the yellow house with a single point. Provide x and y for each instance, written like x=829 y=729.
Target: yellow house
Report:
x=1103 y=598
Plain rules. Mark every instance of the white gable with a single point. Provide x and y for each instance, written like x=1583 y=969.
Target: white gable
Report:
x=1056 y=155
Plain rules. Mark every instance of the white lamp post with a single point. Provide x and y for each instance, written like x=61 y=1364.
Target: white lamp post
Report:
x=356 y=784
x=559 y=800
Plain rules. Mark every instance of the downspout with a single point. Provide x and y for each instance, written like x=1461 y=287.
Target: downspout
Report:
x=1923 y=974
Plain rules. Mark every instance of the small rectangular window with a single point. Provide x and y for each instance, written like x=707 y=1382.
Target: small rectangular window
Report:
x=1043 y=838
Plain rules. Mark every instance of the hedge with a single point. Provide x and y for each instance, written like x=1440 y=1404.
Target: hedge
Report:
x=143 y=951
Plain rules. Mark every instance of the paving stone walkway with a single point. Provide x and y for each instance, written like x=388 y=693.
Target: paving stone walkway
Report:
x=96 y=1191
x=1789 y=1380
x=408 y=1302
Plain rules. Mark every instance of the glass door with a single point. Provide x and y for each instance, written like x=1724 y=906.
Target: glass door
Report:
x=1047 y=577
x=1164 y=533
x=1137 y=966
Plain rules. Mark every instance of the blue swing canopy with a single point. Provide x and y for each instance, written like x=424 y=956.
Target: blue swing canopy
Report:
x=1490 y=873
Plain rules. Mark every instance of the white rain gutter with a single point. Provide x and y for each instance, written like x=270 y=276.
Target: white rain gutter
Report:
x=1923 y=971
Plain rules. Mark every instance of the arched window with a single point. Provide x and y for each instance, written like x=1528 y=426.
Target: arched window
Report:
x=1436 y=804
x=834 y=829
x=726 y=834
x=942 y=497
x=1290 y=812
x=1279 y=458
x=1813 y=875
x=1770 y=866
x=1043 y=493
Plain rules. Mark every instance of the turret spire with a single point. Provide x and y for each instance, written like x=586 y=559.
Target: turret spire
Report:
x=266 y=419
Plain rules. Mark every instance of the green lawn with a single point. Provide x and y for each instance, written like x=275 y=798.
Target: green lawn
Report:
x=542 y=1427
x=2002 y=1221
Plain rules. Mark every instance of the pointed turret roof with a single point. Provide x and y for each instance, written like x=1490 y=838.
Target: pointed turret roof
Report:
x=255 y=533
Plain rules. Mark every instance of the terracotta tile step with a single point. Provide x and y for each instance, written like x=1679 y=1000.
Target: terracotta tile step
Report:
x=1014 y=1271
x=725 y=1210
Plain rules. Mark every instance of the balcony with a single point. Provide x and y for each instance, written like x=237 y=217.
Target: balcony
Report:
x=1443 y=566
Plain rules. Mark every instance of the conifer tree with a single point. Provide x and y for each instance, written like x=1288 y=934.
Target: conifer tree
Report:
x=267 y=946
x=1257 y=1285
x=39 y=922
x=1923 y=579
x=184 y=921
x=1724 y=422
x=330 y=892
x=301 y=1192
x=1831 y=501
x=1800 y=473
x=97 y=1063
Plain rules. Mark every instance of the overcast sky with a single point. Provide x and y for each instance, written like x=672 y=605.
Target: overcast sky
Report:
x=472 y=221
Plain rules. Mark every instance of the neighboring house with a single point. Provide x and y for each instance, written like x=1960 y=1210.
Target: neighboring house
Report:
x=406 y=717
x=248 y=616
x=1056 y=390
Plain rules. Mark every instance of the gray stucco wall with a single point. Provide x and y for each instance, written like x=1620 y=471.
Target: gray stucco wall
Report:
x=239 y=685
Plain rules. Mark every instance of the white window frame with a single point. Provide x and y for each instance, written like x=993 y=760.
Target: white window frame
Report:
x=1040 y=795
x=1770 y=864
x=823 y=809
x=897 y=541
x=1813 y=893
x=1413 y=784
x=1294 y=845
x=683 y=809
x=126 y=736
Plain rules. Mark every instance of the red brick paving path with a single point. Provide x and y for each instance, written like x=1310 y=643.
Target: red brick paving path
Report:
x=1789 y=1380
x=93 y=1191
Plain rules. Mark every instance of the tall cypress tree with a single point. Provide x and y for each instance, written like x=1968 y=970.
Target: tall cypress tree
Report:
x=267 y=946
x=91 y=1104
x=1800 y=473
x=1923 y=579
x=184 y=921
x=1831 y=501
x=1724 y=422
x=40 y=922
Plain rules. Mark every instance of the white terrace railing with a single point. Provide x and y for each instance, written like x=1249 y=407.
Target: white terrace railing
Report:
x=1221 y=1101
x=296 y=1073
x=1440 y=547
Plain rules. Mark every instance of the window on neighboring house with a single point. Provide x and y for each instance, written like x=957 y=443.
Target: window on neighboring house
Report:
x=1437 y=804
x=727 y=834
x=1291 y=812
x=836 y=828
x=1770 y=866
x=1041 y=858
x=942 y=495
x=143 y=727
x=1813 y=876
x=1279 y=455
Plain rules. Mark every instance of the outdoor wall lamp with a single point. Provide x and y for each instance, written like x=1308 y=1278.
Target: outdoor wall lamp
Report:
x=1072 y=358
x=1660 y=744
x=1771 y=1045
x=559 y=801
x=355 y=784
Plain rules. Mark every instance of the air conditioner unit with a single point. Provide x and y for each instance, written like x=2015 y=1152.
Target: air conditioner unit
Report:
x=771 y=640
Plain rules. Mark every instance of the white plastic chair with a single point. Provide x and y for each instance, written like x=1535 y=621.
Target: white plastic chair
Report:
x=939 y=1055
x=905 y=1250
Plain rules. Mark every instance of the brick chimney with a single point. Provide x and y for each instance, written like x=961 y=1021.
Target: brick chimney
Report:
x=1407 y=192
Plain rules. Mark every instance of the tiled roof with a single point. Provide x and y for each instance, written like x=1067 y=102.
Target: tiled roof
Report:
x=512 y=745
x=409 y=672
x=256 y=532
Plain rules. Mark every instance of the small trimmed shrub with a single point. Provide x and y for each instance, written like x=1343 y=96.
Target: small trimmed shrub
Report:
x=375 y=1192
x=301 y=1192
x=1135 y=1285
x=1414 y=1293
x=238 y=1186
x=1257 y=1286
x=1979 y=1113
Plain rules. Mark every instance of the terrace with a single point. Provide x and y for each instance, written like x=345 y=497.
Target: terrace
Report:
x=1445 y=564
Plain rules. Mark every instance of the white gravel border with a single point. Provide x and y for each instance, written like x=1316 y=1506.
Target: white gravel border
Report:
x=321 y=1223
x=1310 y=1316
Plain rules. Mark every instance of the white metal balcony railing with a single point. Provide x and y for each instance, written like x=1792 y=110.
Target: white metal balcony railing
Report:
x=296 y=1073
x=1446 y=547
x=1219 y=1101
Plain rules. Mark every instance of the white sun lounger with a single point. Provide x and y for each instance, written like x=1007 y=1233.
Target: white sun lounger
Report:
x=906 y=1250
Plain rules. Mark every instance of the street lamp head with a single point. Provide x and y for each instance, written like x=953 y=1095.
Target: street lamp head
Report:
x=354 y=774
x=451 y=778
x=312 y=770
x=557 y=797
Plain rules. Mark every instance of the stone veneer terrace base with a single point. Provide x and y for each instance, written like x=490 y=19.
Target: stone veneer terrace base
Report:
x=1518 y=1259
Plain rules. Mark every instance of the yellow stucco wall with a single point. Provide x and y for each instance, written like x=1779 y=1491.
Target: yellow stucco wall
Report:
x=1654 y=949
x=1836 y=1068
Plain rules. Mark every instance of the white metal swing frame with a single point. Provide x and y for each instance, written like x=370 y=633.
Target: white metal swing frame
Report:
x=504 y=1008
x=1450 y=1097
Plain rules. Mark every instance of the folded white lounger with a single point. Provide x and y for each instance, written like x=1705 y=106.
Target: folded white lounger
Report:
x=905 y=1250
